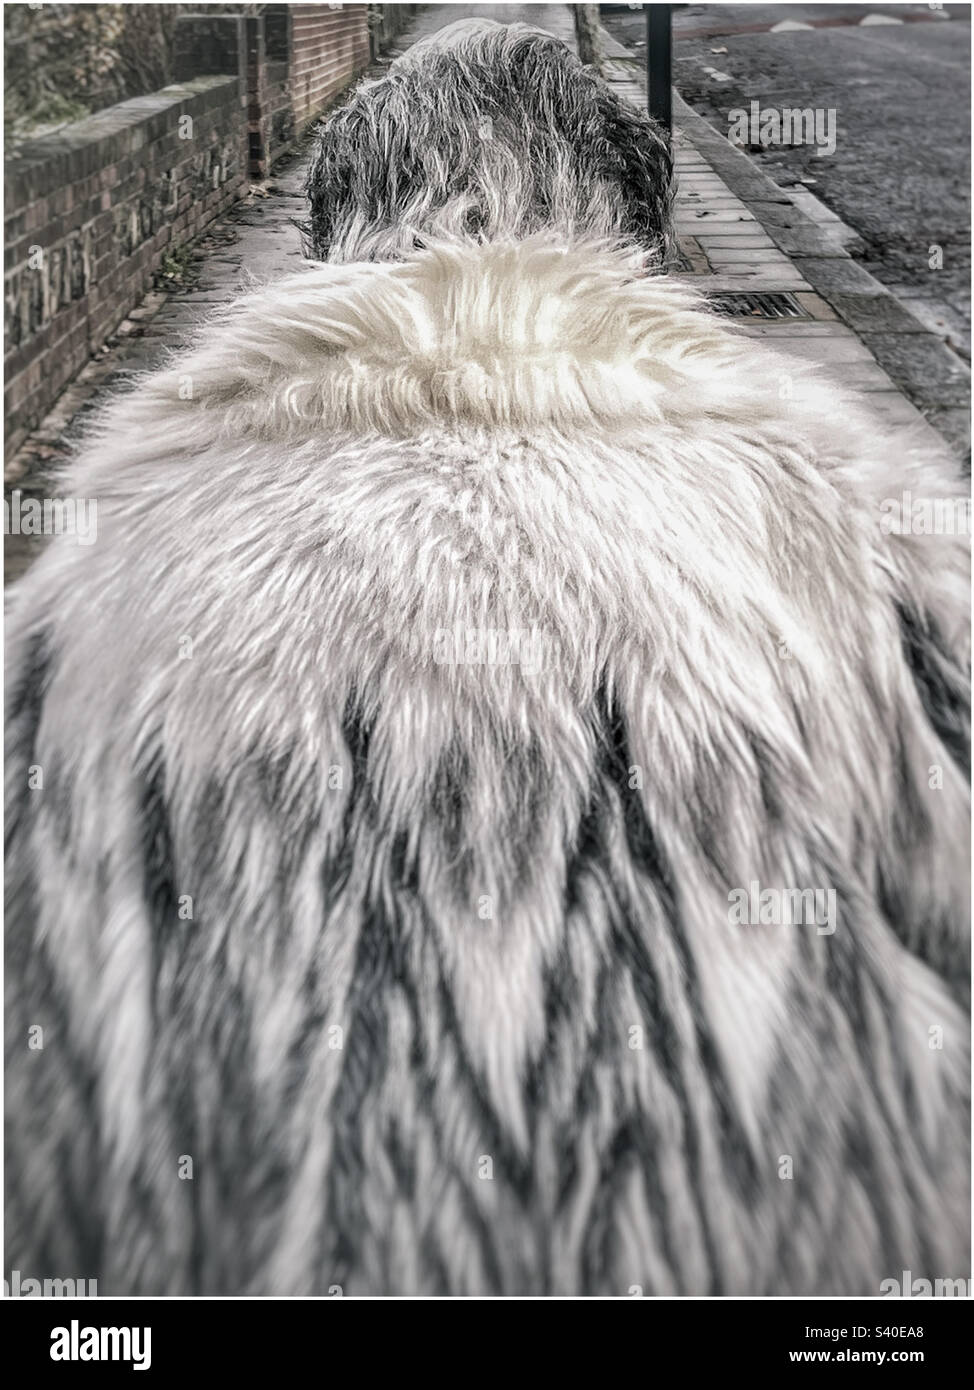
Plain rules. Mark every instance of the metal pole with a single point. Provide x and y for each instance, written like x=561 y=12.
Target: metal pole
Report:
x=659 y=65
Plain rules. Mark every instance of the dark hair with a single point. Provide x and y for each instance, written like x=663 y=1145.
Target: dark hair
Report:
x=493 y=130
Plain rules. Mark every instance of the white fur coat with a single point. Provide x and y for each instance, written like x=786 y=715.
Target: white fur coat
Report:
x=460 y=636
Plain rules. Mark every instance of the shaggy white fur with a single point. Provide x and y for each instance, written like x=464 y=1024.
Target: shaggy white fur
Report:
x=498 y=865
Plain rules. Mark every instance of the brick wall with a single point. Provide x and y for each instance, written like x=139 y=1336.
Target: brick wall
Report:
x=90 y=211
x=270 y=111
x=330 y=46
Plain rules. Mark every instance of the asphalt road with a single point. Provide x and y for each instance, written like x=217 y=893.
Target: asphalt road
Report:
x=900 y=173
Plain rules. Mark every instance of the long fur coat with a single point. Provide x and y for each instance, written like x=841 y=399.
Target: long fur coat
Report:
x=463 y=636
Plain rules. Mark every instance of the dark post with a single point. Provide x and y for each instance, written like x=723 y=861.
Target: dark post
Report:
x=659 y=63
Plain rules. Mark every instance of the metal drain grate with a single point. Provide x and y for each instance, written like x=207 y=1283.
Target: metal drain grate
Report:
x=757 y=306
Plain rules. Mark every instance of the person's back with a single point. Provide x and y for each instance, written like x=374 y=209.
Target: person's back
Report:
x=502 y=824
